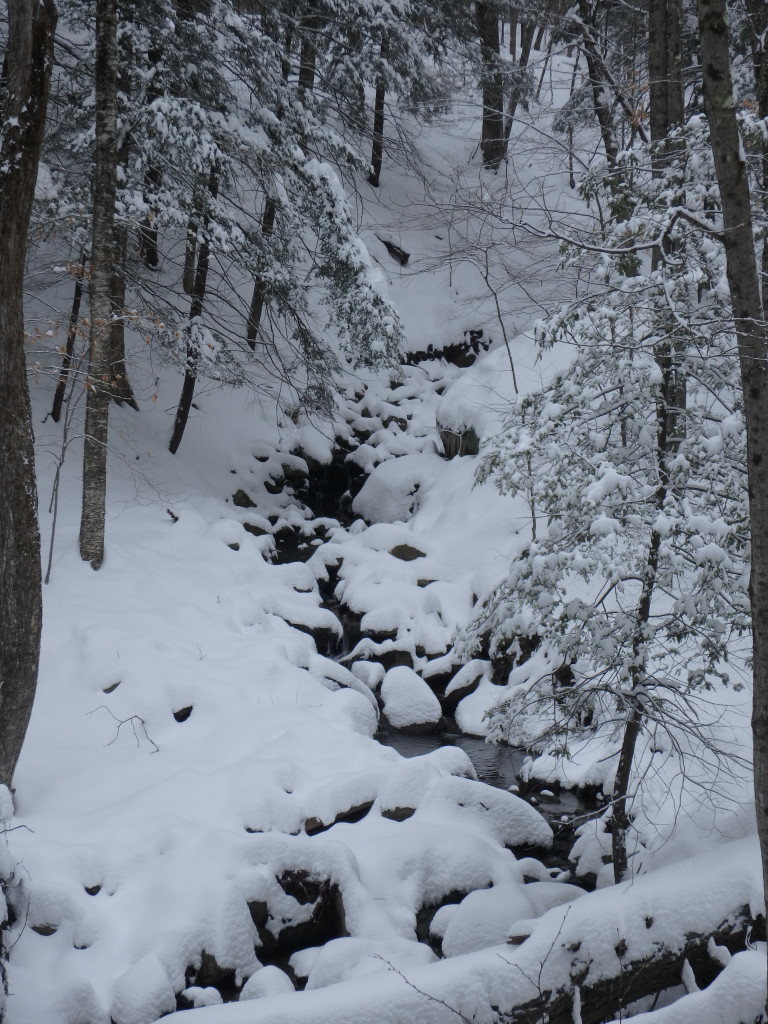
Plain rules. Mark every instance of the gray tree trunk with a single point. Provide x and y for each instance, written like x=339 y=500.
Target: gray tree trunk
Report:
x=492 y=142
x=29 y=58
x=100 y=354
x=752 y=339
x=196 y=311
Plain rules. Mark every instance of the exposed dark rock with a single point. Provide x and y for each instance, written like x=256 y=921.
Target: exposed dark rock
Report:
x=243 y=500
x=398 y=813
x=462 y=353
x=456 y=443
x=450 y=701
x=44 y=929
x=406 y=552
x=313 y=826
x=425 y=914
x=274 y=485
x=234 y=547
x=183 y=714
x=280 y=940
x=92 y=890
x=257 y=531
x=415 y=728
x=209 y=974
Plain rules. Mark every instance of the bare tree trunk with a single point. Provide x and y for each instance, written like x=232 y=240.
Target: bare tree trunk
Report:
x=492 y=143
x=752 y=340
x=100 y=356
x=526 y=40
x=757 y=12
x=259 y=285
x=148 y=228
x=66 y=362
x=308 y=59
x=512 y=31
x=190 y=250
x=29 y=58
x=120 y=386
x=196 y=311
x=600 y=90
x=377 y=150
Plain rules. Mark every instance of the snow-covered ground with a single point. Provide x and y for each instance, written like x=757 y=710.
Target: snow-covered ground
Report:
x=201 y=805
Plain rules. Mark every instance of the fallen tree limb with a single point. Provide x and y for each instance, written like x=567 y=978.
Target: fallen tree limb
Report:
x=604 y=999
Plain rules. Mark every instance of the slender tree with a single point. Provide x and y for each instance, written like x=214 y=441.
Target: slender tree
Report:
x=752 y=338
x=101 y=342
x=26 y=77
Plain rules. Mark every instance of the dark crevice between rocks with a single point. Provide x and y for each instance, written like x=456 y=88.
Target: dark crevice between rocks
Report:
x=281 y=939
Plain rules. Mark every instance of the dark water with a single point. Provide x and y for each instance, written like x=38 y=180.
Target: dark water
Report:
x=496 y=764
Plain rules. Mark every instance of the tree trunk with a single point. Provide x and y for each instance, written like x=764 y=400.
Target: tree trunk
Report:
x=66 y=362
x=600 y=89
x=666 y=111
x=100 y=355
x=308 y=59
x=259 y=285
x=752 y=340
x=377 y=151
x=492 y=83
x=607 y=998
x=190 y=250
x=757 y=12
x=29 y=59
x=526 y=41
x=512 y=31
x=196 y=311
x=120 y=386
x=148 y=228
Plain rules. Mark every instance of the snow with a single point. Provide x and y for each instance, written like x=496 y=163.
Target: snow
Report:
x=143 y=840
x=408 y=700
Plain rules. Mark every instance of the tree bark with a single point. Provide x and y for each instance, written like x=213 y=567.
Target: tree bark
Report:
x=120 y=386
x=29 y=59
x=757 y=13
x=606 y=999
x=308 y=59
x=259 y=285
x=492 y=142
x=196 y=311
x=597 y=79
x=526 y=40
x=752 y=340
x=377 y=150
x=66 y=362
x=100 y=353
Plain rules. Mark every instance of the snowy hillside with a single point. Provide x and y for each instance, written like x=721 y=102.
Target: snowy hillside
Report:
x=211 y=814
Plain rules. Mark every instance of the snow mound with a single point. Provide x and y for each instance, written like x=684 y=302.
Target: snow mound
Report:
x=507 y=817
x=390 y=494
x=408 y=700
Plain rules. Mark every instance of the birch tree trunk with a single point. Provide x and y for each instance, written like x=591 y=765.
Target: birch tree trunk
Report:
x=28 y=62
x=752 y=339
x=100 y=353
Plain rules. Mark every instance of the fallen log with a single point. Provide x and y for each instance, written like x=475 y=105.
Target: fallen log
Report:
x=395 y=251
x=605 y=999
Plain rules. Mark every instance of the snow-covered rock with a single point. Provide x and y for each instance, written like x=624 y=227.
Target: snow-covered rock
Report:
x=409 y=704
